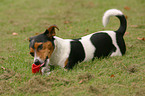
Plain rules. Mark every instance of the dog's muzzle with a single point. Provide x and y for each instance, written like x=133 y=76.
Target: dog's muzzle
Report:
x=37 y=62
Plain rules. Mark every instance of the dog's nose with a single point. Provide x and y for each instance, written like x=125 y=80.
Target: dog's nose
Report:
x=37 y=62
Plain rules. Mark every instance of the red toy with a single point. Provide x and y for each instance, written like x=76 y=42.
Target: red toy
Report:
x=35 y=68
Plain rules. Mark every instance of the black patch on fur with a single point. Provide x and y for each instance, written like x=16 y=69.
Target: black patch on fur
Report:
x=77 y=54
x=40 y=38
x=120 y=32
x=103 y=44
x=123 y=25
x=121 y=43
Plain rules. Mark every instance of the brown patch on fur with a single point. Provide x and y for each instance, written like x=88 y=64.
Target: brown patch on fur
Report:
x=31 y=50
x=28 y=39
x=45 y=51
x=51 y=31
x=36 y=45
x=66 y=62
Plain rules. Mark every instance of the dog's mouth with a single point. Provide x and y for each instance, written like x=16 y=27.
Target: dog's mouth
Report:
x=42 y=64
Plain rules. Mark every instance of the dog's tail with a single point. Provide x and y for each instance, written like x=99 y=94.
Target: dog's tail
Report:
x=121 y=17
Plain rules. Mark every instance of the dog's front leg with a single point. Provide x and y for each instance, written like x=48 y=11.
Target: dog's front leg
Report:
x=45 y=70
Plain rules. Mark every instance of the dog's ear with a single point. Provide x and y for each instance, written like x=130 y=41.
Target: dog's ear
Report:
x=50 y=32
x=30 y=38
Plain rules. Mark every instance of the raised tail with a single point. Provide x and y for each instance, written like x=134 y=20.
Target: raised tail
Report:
x=120 y=15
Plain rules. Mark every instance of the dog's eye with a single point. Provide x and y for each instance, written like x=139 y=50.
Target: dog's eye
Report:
x=40 y=47
x=32 y=54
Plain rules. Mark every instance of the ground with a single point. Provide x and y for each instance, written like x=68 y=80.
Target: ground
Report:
x=116 y=76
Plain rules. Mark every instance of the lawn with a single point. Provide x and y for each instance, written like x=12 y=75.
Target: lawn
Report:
x=116 y=76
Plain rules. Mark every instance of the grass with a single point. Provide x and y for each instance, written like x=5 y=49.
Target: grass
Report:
x=116 y=76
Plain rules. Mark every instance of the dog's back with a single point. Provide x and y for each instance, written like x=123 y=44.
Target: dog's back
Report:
x=100 y=44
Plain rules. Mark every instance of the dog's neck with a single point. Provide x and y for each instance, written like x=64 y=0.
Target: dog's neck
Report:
x=61 y=51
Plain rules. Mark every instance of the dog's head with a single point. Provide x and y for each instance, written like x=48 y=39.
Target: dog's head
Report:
x=42 y=46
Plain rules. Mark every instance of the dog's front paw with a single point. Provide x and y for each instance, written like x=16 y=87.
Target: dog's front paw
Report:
x=47 y=73
x=45 y=70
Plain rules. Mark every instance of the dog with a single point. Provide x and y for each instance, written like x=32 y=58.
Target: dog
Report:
x=48 y=49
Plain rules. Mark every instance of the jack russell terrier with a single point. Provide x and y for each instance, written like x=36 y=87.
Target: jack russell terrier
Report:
x=49 y=49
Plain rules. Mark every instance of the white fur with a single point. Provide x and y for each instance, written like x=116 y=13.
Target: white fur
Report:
x=36 y=57
x=88 y=47
x=62 y=48
x=46 y=69
x=113 y=36
x=108 y=13
x=61 y=51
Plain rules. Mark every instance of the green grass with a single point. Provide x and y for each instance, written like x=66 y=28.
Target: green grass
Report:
x=116 y=76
